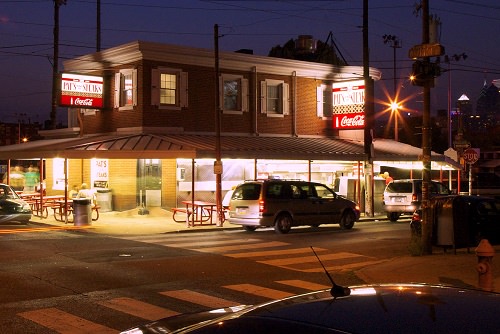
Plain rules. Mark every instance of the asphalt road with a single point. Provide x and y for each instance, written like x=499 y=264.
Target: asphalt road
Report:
x=80 y=282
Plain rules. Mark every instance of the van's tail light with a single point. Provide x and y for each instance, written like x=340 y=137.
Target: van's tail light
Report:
x=414 y=197
x=262 y=206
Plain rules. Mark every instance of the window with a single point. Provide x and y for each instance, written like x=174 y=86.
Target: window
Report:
x=233 y=93
x=125 y=89
x=324 y=101
x=169 y=88
x=274 y=98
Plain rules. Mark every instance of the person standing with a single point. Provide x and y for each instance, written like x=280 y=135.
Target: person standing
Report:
x=31 y=178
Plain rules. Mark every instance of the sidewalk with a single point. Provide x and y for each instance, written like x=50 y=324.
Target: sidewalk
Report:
x=441 y=267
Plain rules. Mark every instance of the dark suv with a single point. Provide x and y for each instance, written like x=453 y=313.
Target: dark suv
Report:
x=286 y=203
x=405 y=196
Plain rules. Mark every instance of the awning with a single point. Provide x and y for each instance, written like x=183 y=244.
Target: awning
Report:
x=196 y=146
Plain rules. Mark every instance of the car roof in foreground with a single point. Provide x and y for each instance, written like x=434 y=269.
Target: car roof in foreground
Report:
x=390 y=308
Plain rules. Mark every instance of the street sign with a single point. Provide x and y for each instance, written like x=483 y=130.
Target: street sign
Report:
x=426 y=50
x=471 y=156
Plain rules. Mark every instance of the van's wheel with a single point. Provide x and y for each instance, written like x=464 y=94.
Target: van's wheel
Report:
x=393 y=216
x=283 y=223
x=347 y=221
x=250 y=228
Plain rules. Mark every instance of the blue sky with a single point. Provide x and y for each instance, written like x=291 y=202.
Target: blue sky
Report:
x=26 y=37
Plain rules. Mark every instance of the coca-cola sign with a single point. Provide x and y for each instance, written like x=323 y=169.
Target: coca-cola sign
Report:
x=349 y=121
x=83 y=91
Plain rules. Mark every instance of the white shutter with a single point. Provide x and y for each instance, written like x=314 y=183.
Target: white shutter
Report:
x=244 y=95
x=286 y=101
x=116 y=99
x=319 y=101
x=134 y=87
x=183 y=90
x=263 y=97
x=155 y=87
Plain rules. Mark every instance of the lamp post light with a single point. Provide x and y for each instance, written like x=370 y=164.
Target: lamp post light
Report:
x=395 y=43
x=394 y=107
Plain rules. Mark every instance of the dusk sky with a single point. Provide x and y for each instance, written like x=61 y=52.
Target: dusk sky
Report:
x=26 y=39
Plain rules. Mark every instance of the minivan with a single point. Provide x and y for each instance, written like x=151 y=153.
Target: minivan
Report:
x=285 y=203
x=405 y=196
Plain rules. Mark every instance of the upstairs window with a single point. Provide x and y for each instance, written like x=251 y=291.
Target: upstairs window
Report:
x=125 y=89
x=169 y=88
x=324 y=101
x=274 y=98
x=233 y=93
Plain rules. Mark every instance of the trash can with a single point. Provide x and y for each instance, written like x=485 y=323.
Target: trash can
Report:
x=82 y=211
x=104 y=199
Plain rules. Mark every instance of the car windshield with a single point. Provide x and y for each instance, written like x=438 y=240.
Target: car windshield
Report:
x=7 y=192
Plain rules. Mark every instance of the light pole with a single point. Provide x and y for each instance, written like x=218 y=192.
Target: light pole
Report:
x=394 y=108
x=447 y=60
x=395 y=43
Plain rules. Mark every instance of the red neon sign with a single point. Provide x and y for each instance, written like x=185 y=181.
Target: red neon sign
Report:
x=349 y=121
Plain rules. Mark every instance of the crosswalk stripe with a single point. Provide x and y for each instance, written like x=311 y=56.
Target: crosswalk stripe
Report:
x=274 y=252
x=305 y=285
x=63 y=322
x=259 y=291
x=199 y=298
x=308 y=259
x=138 y=308
x=223 y=249
x=199 y=244
x=340 y=267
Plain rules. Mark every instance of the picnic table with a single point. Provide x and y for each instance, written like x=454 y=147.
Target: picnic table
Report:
x=196 y=212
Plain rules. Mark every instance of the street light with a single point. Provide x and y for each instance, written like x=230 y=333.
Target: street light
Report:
x=448 y=59
x=395 y=43
x=394 y=107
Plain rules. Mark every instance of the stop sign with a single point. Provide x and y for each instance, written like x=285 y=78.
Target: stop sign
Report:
x=471 y=156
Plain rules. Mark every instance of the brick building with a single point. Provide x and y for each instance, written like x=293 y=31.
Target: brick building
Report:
x=156 y=131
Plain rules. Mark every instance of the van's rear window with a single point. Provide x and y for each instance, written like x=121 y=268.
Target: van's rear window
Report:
x=248 y=191
x=399 y=187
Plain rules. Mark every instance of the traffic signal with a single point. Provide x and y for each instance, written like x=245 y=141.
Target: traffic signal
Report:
x=424 y=71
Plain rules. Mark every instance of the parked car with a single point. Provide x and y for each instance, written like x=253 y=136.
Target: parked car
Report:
x=405 y=196
x=12 y=207
x=285 y=203
x=388 y=308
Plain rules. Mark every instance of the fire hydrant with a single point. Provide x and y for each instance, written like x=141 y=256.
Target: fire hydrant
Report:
x=484 y=253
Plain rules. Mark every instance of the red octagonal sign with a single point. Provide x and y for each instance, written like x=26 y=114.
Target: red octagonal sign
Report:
x=471 y=156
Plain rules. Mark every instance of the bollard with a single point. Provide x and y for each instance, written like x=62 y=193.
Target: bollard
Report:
x=484 y=253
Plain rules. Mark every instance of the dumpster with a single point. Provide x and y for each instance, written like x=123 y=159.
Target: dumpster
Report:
x=82 y=211
x=104 y=198
x=462 y=221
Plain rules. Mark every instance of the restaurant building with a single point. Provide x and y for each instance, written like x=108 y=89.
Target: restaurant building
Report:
x=141 y=126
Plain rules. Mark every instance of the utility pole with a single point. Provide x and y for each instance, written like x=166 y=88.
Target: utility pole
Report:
x=369 y=110
x=55 y=64
x=98 y=26
x=426 y=141
x=218 y=161
x=424 y=73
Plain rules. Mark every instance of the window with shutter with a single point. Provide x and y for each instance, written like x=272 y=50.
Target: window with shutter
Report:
x=125 y=89
x=233 y=94
x=275 y=100
x=169 y=88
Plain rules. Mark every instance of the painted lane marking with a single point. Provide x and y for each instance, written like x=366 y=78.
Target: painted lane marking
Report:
x=138 y=308
x=259 y=291
x=65 y=323
x=199 y=298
